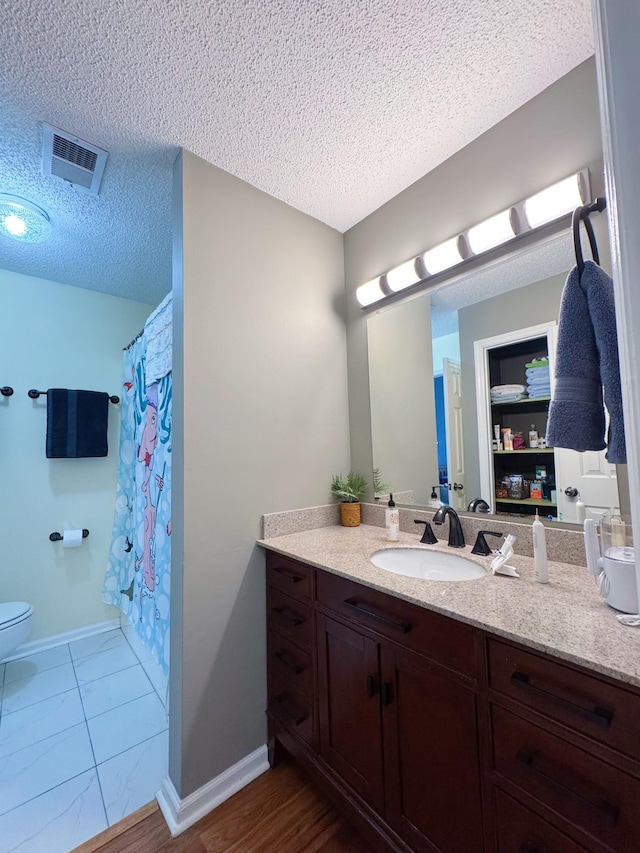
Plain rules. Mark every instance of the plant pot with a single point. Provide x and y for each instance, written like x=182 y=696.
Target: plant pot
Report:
x=350 y=514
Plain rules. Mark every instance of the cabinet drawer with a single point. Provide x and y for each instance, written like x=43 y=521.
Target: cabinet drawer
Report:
x=602 y=711
x=519 y=830
x=291 y=708
x=291 y=617
x=444 y=640
x=588 y=792
x=288 y=663
x=289 y=575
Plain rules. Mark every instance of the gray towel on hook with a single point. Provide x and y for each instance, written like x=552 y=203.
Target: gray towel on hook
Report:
x=587 y=361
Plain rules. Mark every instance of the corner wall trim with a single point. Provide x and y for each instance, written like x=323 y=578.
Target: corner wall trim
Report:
x=181 y=814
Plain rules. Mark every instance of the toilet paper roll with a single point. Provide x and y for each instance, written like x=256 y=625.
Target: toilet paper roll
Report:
x=72 y=538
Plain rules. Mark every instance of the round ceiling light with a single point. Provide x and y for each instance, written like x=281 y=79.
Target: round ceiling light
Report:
x=22 y=220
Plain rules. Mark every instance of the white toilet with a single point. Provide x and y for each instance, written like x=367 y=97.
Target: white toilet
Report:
x=16 y=618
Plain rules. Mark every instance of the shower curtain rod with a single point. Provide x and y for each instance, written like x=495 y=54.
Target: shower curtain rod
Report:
x=129 y=345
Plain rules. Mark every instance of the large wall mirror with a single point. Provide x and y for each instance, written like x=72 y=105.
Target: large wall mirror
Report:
x=435 y=423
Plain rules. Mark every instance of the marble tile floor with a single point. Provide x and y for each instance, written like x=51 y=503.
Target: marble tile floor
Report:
x=83 y=742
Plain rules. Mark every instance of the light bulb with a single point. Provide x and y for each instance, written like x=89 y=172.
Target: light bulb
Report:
x=554 y=202
x=403 y=276
x=22 y=220
x=490 y=233
x=369 y=292
x=442 y=256
x=15 y=225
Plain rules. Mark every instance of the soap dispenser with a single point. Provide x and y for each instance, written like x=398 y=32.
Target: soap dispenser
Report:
x=392 y=520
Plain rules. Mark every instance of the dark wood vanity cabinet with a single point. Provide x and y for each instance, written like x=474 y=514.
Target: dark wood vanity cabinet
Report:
x=394 y=697
x=435 y=736
x=291 y=667
x=565 y=744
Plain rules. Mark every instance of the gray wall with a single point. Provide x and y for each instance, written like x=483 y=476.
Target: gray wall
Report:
x=527 y=306
x=556 y=133
x=260 y=378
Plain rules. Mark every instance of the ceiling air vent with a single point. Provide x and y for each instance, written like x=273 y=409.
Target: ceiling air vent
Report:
x=71 y=159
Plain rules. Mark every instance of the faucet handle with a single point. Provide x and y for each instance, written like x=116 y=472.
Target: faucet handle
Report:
x=428 y=537
x=481 y=546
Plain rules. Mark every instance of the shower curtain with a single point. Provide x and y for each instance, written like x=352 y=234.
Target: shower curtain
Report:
x=139 y=570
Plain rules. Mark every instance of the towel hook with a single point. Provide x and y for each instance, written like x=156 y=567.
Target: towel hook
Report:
x=582 y=214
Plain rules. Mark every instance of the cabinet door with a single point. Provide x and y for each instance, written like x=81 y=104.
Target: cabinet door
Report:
x=432 y=776
x=348 y=675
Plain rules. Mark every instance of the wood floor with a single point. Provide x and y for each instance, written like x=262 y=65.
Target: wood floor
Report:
x=280 y=812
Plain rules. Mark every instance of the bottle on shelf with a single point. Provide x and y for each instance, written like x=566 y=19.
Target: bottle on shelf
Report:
x=533 y=436
x=497 y=443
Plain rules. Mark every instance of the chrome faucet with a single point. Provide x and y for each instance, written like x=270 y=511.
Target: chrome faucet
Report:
x=456 y=536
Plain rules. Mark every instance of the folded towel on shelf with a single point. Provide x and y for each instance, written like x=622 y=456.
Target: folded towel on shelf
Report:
x=537 y=362
x=546 y=384
x=587 y=361
x=499 y=390
x=158 y=335
x=76 y=423
x=534 y=373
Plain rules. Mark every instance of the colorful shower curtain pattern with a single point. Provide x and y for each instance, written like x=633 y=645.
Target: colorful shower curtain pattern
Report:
x=139 y=570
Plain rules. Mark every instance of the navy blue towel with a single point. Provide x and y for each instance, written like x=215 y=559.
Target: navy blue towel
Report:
x=586 y=362
x=76 y=423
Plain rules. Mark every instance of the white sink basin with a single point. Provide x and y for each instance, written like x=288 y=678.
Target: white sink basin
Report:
x=429 y=565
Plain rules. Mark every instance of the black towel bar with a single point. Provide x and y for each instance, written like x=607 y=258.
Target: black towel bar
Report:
x=6 y=390
x=57 y=537
x=35 y=394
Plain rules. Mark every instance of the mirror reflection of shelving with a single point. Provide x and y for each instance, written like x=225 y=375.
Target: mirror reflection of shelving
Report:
x=524 y=476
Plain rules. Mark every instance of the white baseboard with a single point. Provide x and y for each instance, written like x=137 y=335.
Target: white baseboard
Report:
x=61 y=639
x=181 y=814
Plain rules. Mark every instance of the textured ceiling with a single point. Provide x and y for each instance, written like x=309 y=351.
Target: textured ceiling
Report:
x=519 y=268
x=330 y=106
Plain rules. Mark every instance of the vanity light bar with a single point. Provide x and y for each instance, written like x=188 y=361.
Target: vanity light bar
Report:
x=540 y=209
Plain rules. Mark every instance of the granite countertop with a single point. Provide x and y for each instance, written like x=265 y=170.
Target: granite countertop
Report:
x=566 y=617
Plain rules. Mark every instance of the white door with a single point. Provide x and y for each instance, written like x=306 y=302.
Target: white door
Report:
x=453 y=427
x=592 y=476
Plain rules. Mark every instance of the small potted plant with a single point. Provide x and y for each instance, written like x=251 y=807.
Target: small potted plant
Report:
x=348 y=490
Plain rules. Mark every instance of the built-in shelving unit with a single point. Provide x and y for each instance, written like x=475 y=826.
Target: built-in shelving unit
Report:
x=507 y=365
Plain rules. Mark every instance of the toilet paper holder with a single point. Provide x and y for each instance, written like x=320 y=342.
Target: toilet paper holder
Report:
x=57 y=537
